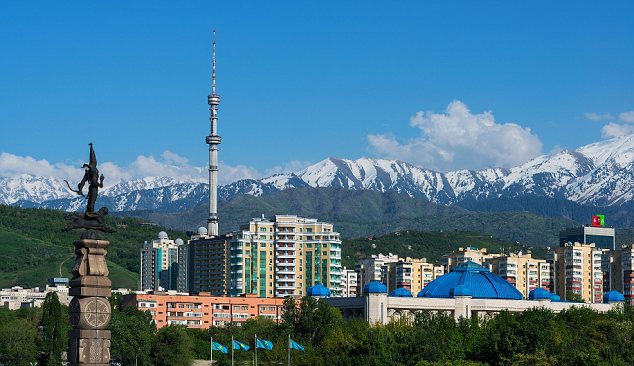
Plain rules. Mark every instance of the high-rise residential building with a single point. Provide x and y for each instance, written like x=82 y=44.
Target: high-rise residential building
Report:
x=576 y=269
x=208 y=263
x=284 y=256
x=349 y=282
x=462 y=255
x=412 y=274
x=159 y=264
x=372 y=269
x=182 y=284
x=622 y=272
x=522 y=270
x=602 y=237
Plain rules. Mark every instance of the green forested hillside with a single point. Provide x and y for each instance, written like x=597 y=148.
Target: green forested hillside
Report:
x=363 y=213
x=33 y=247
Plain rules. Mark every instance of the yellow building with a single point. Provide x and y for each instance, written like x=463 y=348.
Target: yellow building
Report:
x=576 y=269
x=522 y=270
x=412 y=274
x=284 y=257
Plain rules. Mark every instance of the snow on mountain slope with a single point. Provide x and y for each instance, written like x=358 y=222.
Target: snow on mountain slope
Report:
x=30 y=188
x=600 y=174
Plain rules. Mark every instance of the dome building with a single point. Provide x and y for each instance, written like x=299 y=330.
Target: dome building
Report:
x=319 y=291
x=468 y=290
x=479 y=281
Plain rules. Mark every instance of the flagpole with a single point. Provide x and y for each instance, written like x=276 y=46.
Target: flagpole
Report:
x=231 y=350
x=211 y=350
x=289 y=350
x=255 y=343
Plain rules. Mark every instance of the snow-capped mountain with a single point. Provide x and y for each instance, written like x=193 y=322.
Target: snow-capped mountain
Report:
x=598 y=174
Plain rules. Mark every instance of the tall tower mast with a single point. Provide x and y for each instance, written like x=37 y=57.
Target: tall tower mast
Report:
x=213 y=140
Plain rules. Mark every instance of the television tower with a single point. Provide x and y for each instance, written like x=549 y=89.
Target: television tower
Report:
x=213 y=140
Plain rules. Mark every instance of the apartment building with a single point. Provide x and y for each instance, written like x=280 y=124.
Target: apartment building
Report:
x=411 y=273
x=203 y=310
x=159 y=265
x=576 y=268
x=208 y=263
x=349 y=282
x=462 y=255
x=372 y=269
x=522 y=271
x=622 y=272
x=284 y=256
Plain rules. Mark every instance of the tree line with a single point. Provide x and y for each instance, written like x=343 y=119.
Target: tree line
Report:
x=577 y=336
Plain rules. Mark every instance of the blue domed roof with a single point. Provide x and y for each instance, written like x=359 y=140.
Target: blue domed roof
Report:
x=539 y=294
x=375 y=287
x=318 y=290
x=460 y=290
x=400 y=292
x=555 y=297
x=479 y=280
x=613 y=296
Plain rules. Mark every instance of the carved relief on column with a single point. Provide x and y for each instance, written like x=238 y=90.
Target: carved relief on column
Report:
x=89 y=311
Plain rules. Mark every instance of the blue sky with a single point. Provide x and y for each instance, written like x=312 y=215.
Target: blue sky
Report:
x=301 y=81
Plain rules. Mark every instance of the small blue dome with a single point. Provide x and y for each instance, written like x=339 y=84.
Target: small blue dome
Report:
x=375 y=287
x=400 y=292
x=555 y=297
x=318 y=290
x=460 y=290
x=613 y=296
x=539 y=294
x=481 y=283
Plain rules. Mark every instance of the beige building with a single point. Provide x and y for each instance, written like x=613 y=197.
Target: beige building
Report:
x=576 y=268
x=374 y=268
x=412 y=274
x=621 y=273
x=284 y=257
x=349 y=283
x=522 y=270
x=462 y=255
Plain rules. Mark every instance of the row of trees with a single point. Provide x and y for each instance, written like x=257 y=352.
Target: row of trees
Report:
x=578 y=336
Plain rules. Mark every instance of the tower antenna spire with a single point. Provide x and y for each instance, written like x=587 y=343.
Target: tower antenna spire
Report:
x=213 y=64
x=213 y=140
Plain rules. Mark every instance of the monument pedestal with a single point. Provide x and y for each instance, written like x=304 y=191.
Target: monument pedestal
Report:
x=89 y=311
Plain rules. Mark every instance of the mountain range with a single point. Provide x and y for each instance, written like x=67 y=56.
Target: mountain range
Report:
x=599 y=174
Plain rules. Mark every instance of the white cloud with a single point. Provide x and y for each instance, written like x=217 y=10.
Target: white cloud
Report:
x=593 y=116
x=14 y=165
x=615 y=130
x=458 y=139
x=168 y=164
x=627 y=117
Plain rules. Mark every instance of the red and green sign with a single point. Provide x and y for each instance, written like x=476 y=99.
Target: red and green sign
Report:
x=598 y=220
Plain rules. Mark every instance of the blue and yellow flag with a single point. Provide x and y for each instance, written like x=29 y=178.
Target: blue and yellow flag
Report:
x=215 y=346
x=240 y=346
x=263 y=343
x=294 y=345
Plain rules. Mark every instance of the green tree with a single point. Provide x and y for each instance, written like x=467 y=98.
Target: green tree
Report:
x=17 y=342
x=133 y=333
x=173 y=347
x=54 y=331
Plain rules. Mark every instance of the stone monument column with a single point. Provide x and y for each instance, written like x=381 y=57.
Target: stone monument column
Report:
x=89 y=311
